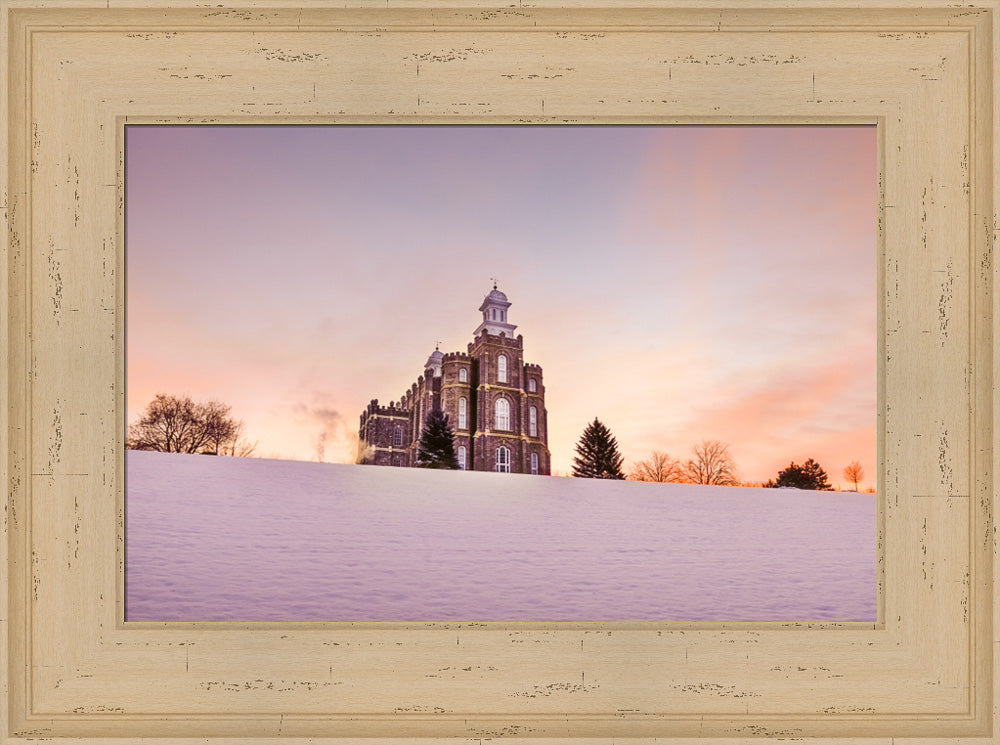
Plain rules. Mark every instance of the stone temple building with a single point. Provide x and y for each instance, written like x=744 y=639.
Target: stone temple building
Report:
x=495 y=404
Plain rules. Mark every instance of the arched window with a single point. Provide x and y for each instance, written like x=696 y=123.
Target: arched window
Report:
x=533 y=422
x=397 y=437
x=532 y=385
x=534 y=463
x=502 y=418
x=463 y=375
x=494 y=314
x=502 y=368
x=503 y=459
x=463 y=413
x=461 y=457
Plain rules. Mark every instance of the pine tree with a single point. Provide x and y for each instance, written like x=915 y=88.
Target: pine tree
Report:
x=810 y=475
x=597 y=454
x=437 y=443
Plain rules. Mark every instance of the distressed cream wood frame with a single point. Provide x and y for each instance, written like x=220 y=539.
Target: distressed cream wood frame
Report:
x=77 y=70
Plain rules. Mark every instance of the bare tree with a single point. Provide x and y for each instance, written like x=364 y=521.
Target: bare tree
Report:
x=711 y=463
x=239 y=447
x=854 y=473
x=657 y=467
x=176 y=424
x=168 y=425
x=220 y=428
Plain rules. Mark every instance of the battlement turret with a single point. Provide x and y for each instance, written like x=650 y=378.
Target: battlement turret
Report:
x=392 y=409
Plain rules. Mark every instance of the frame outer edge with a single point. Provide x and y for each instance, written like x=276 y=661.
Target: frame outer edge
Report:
x=13 y=655
x=13 y=297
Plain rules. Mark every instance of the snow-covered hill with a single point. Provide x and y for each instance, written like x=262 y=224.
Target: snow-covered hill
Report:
x=211 y=538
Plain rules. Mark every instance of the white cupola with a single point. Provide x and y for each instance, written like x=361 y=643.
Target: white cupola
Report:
x=494 y=309
x=434 y=362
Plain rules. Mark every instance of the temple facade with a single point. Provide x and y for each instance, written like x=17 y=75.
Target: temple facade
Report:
x=494 y=400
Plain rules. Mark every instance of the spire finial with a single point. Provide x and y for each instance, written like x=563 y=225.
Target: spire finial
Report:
x=437 y=346
x=494 y=282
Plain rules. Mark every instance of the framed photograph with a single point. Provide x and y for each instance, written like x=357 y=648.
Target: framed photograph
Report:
x=697 y=311
x=85 y=79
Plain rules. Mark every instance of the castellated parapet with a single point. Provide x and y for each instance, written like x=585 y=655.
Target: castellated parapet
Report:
x=494 y=401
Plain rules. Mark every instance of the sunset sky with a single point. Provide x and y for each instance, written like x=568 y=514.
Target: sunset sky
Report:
x=679 y=283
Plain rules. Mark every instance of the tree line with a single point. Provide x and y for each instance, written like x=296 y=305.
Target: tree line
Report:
x=597 y=456
x=177 y=424
x=710 y=463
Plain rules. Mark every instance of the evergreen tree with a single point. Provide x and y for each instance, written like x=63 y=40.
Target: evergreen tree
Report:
x=809 y=475
x=597 y=454
x=437 y=443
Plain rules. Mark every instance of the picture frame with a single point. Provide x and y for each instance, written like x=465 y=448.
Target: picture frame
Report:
x=79 y=70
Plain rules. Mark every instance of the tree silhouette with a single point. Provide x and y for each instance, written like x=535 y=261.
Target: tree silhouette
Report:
x=657 y=467
x=437 y=443
x=711 y=463
x=597 y=454
x=176 y=424
x=807 y=476
x=854 y=472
